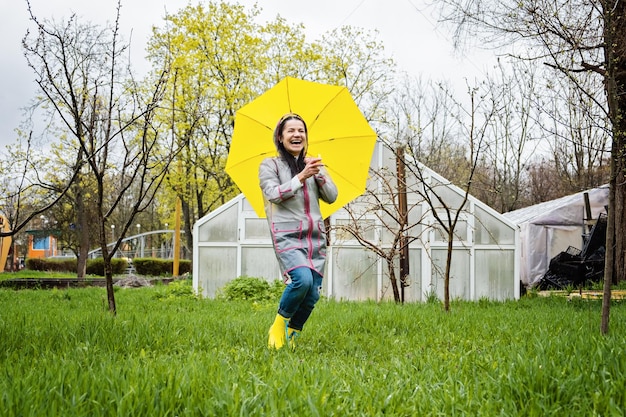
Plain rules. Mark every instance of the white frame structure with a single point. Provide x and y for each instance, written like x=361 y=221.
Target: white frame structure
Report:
x=233 y=241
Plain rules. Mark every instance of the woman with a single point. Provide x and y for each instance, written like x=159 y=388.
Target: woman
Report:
x=292 y=186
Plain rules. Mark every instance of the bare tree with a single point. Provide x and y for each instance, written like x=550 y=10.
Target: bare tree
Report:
x=510 y=94
x=574 y=37
x=383 y=206
x=541 y=175
x=82 y=75
x=27 y=190
x=446 y=211
x=420 y=113
x=416 y=122
x=415 y=111
x=579 y=134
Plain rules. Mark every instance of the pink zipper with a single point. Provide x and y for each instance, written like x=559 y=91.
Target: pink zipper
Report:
x=309 y=235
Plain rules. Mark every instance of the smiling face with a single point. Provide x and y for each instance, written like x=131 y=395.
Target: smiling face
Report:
x=293 y=136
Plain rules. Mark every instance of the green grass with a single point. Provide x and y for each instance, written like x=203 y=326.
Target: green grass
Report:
x=166 y=354
x=28 y=273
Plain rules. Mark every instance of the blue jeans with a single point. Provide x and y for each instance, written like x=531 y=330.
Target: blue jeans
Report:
x=300 y=296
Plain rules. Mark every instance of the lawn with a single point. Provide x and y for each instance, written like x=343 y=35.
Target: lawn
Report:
x=29 y=273
x=167 y=353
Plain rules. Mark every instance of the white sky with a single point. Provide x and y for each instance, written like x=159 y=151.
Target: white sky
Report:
x=407 y=28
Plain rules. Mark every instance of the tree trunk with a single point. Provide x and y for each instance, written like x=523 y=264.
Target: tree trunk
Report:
x=618 y=118
x=446 y=286
x=110 y=290
x=83 y=231
x=393 y=280
x=107 y=257
x=608 y=260
x=187 y=221
x=615 y=82
x=402 y=214
x=619 y=205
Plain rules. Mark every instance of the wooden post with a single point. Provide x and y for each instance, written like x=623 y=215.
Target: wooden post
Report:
x=403 y=214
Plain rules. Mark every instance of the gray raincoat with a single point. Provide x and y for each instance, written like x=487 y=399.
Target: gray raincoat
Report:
x=294 y=216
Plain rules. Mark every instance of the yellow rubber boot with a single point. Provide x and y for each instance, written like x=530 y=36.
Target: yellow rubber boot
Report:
x=292 y=336
x=278 y=333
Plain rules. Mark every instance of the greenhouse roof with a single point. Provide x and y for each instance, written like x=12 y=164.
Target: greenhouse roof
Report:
x=561 y=211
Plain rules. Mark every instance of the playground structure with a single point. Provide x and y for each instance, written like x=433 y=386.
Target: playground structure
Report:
x=153 y=244
x=44 y=244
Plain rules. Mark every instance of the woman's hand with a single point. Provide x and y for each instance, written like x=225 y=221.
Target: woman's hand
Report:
x=311 y=168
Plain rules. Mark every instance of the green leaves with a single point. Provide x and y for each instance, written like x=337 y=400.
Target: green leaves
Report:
x=252 y=289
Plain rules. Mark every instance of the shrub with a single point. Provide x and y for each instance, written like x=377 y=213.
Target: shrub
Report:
x=252 y=289
x=149 y=266
x=181 y=288
x=55 y=265
x=96 y=266
x=119 y=265
x=184 y=266
x=160 y=267
x=276 y=289
x=35 y=264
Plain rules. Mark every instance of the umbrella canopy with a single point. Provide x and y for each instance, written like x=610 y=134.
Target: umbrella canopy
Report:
x=337 y=131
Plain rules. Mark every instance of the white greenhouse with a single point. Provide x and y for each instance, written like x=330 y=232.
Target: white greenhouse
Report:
x=233 y=241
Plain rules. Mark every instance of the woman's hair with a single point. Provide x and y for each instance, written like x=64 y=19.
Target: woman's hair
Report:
x=295 y=164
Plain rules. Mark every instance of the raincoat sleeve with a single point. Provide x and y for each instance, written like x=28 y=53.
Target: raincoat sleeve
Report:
x=327 y=188
x=274 y=189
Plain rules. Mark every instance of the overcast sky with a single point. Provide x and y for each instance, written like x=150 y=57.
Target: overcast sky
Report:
x=408 y=30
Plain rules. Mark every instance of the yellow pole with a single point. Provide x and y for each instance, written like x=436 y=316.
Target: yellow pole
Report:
x=176 y=268
x=176 y=264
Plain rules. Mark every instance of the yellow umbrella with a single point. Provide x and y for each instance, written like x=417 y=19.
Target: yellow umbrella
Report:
x=337 y=131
